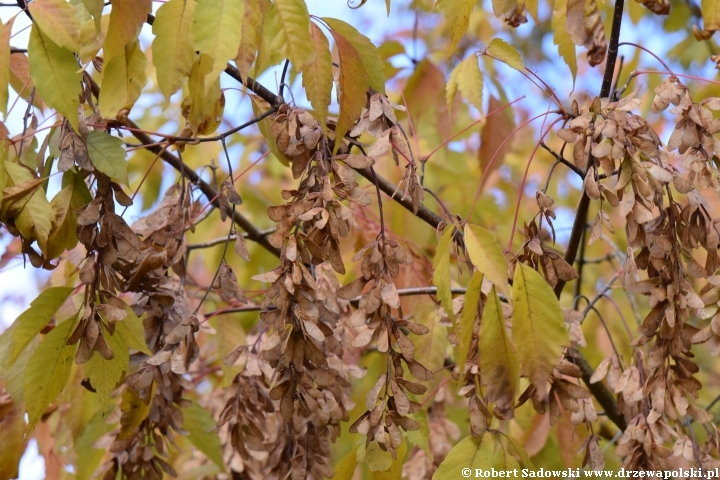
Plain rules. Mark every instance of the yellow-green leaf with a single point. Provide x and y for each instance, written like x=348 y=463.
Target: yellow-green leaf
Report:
x=134 y=412
x=32 y=321
x=203 y=108
x=20 y=79
x=711 y=15
x=200 y=426
x=420 y=437
x=54 y=72
x=104 y=374
x=12 y=439
x=470 y=452
x=289 y=21
x=34 y=219
x=368 y=52
x=487 y=256
x=132 y=331
x=395 y=470
x=345 y=468
x=123 y=80
x=317 y=76
x=58 y=21
x=252 y=34
x=217 y=33
x=108 y=155
x=126 y=19
x=4 y=70
x=352 y=85
x=376 y=458
x=65 y=206
x=259 y=107
x=506 y=53
x=467 y=317
x=457 y=17
x=173 y=48
x=95 y=8
x=441 y=272
x=87 y=463
x=499 y=367
x=561 y=38
x=538 y=326
x=467 y=78
x=48 y=371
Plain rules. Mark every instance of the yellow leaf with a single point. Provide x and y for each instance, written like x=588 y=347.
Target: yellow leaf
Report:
x=352 y=85
x=203 y=108
x=467 y=78
x=123 y=80
x=252 y=34
x=532 y=7
x=91 y=40
x=457 y=17
x=504 y=8
x=95 y=8
x=173 y=48
x=4 y=68
x=289 y=21
x=260 y=106
x=134 y=412
x=104 y=374
x=499 y=367
x=34 y=220
x=48 y=371
x=506 y=53
x=441 y=273
x=20 y=79
x=217 y=32
x=470 y=452
x=317 y=76
x=487 y=256
x=58 y=21
x=345 y=468
x=467 y=317
x=126 y=19
x=538 y=326
x=368 y=52
x=561 y=38
x=711 y=14
x=54 y=72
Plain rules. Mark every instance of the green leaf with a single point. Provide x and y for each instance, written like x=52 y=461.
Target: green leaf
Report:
x=457 y=17
x=711 y=15
x=104 y=374
x=31 y=321
x=467 y=78
x=289 y=22
x=470 y=452
x=506 y=53
x=317 y=76
x=126 y=19
x=14 y=375
x=561 y=38
x=467 y=317
x=173 y=48
x=487 y=256
x=48 y=371
x=108 y=155
x=54 y=72
x=368 y=52
x=352 y=85
x=201 y=427
x=123 y=80
x=90 y=459
x=58 y=21
x=5 y=31
x=538 y=326
x=441 y=273
x=499 y=367
x=345 y=468
x=132 y=332
x=217 y=32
